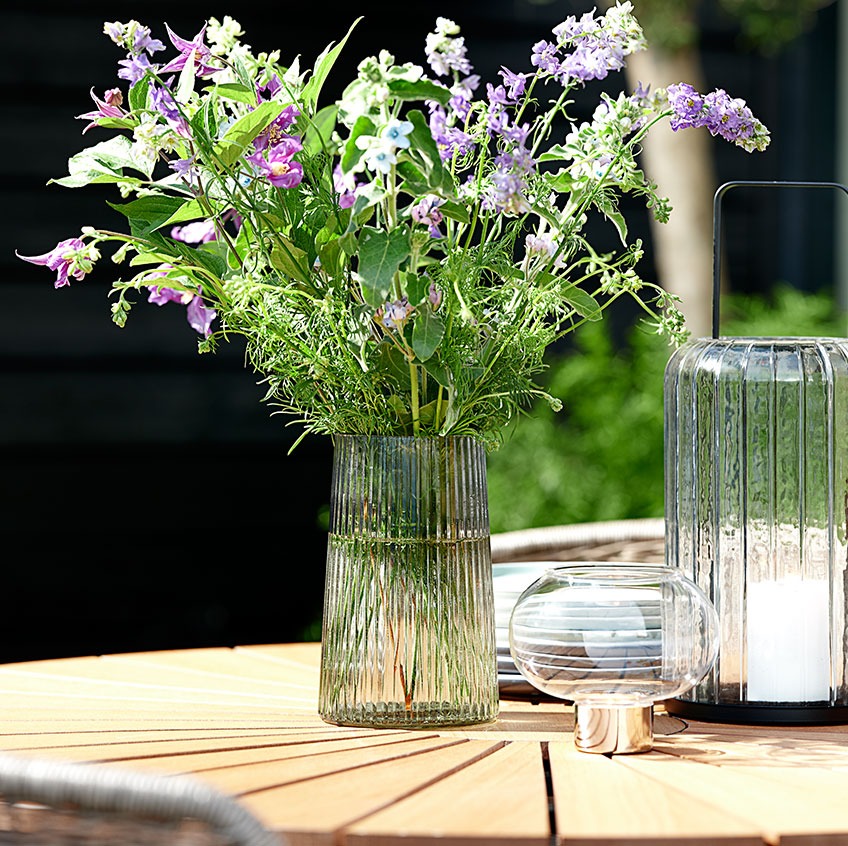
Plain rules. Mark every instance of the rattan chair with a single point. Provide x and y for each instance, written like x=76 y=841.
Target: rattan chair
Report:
x=57 y=803
x=641 y=540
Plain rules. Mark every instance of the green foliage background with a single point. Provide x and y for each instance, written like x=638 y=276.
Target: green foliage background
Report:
x=601 y=457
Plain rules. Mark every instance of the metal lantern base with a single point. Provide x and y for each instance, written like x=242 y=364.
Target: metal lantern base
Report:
x=747 y=714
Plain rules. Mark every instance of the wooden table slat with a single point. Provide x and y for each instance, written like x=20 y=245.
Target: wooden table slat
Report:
x=245 y=721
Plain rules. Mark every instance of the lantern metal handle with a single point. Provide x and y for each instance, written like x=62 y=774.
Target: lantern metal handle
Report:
x=722 y=190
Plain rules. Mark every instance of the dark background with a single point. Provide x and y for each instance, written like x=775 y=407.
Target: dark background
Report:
x=148 y=499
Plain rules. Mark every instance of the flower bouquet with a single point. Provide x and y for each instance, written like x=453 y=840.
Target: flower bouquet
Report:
x=397 y=262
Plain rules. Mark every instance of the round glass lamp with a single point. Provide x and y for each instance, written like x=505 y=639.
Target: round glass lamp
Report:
x=613 y=638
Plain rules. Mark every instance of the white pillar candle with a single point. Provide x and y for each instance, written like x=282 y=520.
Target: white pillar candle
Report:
x=788 y=641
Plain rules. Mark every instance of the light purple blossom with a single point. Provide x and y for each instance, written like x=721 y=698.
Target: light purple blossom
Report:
x=70 y=257
x=277 y=165
x=195 y=51
x=545 y=58
x=134 y=68
x=539 y=244
x=591 y=62
x=133 y=37
x=394 y=315
x=108 y=107
x=688 y=106
x=164 y=103
x=143 y=42
x=515 y=84
x=434 y=296
x=445 y=50
x=426 y=211
x=346 y=188
x=198 y=232
x=723 y=115
x=198 y=314
x=275 y=132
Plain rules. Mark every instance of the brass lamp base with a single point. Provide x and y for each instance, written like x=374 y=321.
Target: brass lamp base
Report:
x=617 y=730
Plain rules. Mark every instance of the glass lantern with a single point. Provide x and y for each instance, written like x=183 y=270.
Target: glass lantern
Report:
x=613 y=639
x=756 y=503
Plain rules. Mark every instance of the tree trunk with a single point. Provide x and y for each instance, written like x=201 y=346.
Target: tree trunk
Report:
x=681 y=165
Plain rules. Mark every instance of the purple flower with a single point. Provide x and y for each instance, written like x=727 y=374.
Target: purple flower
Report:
x=69 y=257
x=394 y=315
x=134 y=68
x=143 y=41
x=544 y=57
x=276 y=130
x=199 y=316
x=198 y=232
x=195 y=51
x=515 y=84
x=347 y=194
x=108 y=107
x=435 y=296
x=277 y=163
x=688 y=106
x=164 y=103
x=727 y=116
x=591 y=62
x=446 y=51
x=723 y=115
x=159 y=295
x=426 y=211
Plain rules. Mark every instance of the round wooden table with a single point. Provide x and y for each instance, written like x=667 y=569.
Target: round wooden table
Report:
x=245 y=721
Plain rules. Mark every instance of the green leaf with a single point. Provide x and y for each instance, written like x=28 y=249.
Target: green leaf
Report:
x=138 y=94
x=423 y=148
x=557 y=153
x=318 y=134
x=392 y=360
x=290 y=260
x=235 y=91
x=190 y=210
x=367 y=196
x=438 y=371
x=352 y=155
x=427 y=331
x=323 y=65
x=380 y=255
x=104 y=162
x=422 y=89
x=359 y=333
x=582 y=302
x=617 y=219
x=416 y=286
x=240 y=133
x=148 y=213
x=562 y=181
x=455 y=211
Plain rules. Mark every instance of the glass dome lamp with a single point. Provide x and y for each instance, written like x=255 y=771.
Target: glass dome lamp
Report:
x=613 y=638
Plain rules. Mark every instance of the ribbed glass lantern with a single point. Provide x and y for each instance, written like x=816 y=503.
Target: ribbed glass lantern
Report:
x=756 y=491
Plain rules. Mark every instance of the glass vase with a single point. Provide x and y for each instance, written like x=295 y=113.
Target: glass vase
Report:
x=408 y=635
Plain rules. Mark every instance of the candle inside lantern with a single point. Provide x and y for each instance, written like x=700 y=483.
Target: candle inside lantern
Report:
x=788 y=641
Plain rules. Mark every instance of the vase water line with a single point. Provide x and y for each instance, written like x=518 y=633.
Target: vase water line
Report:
x=408 y=636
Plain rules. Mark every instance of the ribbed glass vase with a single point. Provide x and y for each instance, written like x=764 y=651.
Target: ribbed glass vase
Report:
x=408 y=630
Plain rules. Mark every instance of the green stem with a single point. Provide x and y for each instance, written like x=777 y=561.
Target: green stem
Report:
x=413 y=380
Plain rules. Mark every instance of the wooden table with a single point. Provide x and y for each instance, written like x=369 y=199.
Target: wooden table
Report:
x=245 y=721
